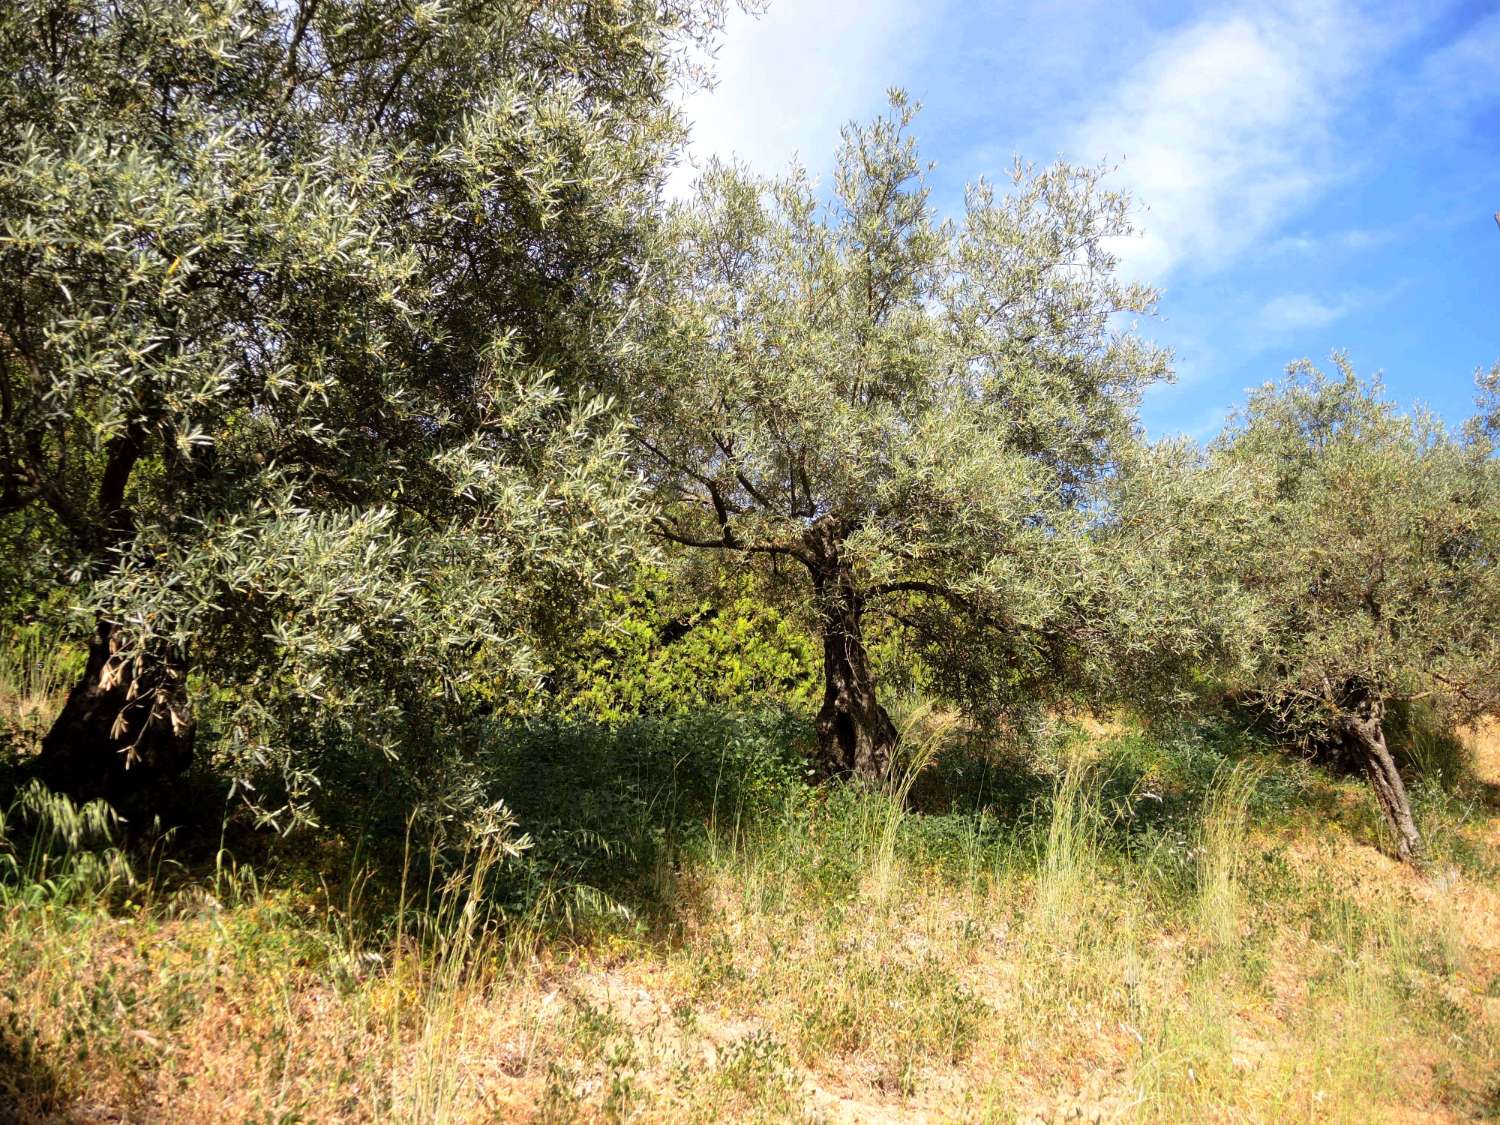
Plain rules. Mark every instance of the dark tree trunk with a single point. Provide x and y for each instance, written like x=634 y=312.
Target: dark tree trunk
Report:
x=1363 y=734
x=856 y=737
x=124 y=725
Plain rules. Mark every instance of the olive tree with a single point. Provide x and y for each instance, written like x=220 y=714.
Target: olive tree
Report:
x=303 y=311
x=1370 y=554
x=1485 y=425
x=914 y=416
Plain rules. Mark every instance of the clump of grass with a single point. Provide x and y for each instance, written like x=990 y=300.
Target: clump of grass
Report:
x=448 y=949
x=1434 y=750
x=1067 y=865
x=755 y=1071
x=1185 y=1070
x=54 y=851
x=1359 y=1029
x=34 y=676
x=924 y=729
x=1221 y=848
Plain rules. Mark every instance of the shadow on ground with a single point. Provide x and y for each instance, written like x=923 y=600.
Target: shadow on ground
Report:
x=30 y=1090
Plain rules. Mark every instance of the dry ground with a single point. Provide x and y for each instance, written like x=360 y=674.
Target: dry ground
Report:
x=1301 y=975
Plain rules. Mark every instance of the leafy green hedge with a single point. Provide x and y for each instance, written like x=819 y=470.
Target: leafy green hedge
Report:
x=608 y=805
x=664 y=654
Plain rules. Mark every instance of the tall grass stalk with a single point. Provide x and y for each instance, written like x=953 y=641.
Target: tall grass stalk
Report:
x=34 y=675
x=1067 y=866
x=1221 y=851
x=52 y=850
x=923 y=729
x=1354 y=1046
x=447 y=953
x=1438 y=755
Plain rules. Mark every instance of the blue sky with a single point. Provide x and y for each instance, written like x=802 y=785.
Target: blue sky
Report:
x=1311 y=174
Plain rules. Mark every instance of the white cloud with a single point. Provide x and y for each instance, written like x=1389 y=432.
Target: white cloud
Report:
x=1226 y=127
x=788 y=79
x=1292 y=312
x=1332 y=242
x=1224 y=130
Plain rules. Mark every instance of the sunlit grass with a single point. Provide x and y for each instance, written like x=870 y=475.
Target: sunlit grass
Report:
x=35 y=673
x=1222 y=853
x=839 y=957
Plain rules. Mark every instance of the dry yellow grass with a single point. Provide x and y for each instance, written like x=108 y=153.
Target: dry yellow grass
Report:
x=1307 y=977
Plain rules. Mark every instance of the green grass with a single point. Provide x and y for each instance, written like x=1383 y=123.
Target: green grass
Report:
x=665 y=923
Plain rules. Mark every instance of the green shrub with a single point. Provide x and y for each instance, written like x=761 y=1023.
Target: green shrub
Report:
x=608 y=806
x=661 y=654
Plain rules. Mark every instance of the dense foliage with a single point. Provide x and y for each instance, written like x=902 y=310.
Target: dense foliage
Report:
x=303 y=312
x=1369 y=564
x=662 y=651
x=365 y=408
x=914 y=416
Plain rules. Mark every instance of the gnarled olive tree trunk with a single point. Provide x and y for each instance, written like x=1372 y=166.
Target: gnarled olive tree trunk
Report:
x=1363 y=733
x=856 y=737
x=124 y=725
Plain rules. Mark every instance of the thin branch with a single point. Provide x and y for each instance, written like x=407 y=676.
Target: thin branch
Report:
x=378 y=121
x=727 y=449
x=913 y=586
x=305 y=12
x=729 y=543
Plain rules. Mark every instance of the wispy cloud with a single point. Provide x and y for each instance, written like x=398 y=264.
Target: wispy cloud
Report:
x=790 y=78
x=1349 y=241
x=1464 y=75
x=1289 y=313
x=1224 y=130
x=1292 y=312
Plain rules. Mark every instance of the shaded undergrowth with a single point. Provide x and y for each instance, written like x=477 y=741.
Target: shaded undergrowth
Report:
x=665 y=922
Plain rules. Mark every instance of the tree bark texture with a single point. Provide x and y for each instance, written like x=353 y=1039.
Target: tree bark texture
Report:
x=856 y=737
x=124 y=725
x=1364 y=735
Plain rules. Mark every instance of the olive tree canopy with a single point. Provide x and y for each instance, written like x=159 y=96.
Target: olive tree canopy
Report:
x=1369 y=551
x=914 y=416
x=302 y=311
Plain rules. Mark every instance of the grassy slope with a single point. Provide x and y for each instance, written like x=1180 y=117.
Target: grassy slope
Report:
x=1141 y=927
